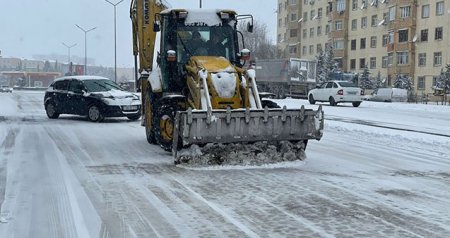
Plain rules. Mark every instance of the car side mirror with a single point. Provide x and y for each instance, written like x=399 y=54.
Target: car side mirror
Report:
x=249 y=27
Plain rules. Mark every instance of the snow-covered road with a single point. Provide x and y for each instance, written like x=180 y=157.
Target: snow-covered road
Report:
x=73 y=178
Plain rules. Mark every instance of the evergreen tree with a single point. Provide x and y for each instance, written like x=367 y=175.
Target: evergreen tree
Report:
x=443 y=81
x=325 y=64
x=379 y=82
x=403 y=81
x=364 y=80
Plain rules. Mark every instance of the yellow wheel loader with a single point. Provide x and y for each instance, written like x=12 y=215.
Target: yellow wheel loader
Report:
x=200 y=100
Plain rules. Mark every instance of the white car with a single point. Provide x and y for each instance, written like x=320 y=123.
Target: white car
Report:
x=336 y=92
x=5 y=89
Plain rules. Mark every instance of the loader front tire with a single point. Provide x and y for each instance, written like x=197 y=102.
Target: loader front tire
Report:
x=165 y=126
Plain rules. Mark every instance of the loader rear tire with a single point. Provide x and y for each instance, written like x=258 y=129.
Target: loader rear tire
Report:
x=148 y=123
x=165 y=125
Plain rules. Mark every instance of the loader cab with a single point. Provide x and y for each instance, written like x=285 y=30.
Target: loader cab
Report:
x=194 y=33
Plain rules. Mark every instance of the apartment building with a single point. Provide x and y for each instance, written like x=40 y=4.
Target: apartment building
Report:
x=390 y=37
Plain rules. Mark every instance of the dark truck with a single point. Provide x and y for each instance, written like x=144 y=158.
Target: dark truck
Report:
x=286 y=77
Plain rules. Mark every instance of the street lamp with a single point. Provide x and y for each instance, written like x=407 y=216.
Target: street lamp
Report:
x=85 y=46
x=68 y=48
x=115 y=39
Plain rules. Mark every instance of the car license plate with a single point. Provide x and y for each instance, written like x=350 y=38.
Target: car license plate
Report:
x=129 y=107
x=352 y=93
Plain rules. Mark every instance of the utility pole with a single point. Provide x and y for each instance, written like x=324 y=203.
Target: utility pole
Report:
x=85 y=46
x=115 y=39
x=200 y=3
x=68 y=48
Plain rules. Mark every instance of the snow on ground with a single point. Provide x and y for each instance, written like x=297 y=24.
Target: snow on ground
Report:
x=380 y=170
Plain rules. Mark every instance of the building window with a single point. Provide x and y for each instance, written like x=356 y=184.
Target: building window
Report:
x=305 y=16
x=391 y=13
x=293 y=17
x=425 y=11
x=311 y=49
x=421 y=83
x=327 y=29
x=422 y=59
x=319 y=48
x=390 y=37
x=354 y=4
x=374 y=21
x=437 y=59
x=319 y=13
x=319 y=31
x=424 y=35
x=373 y=62
x=405 y=11
x=304 y=50
x=435 y=78
x=403 y=35
x=279 y=37
x=340 y=5
x=385 y=40
x=438 y=33
x=362 y=43
x=279 y=22
x=353 y=64
x=338 y=25
x=293 y=32
x=354 y=24
x=292 y=2
x=364 y=22
x=285 y=21
x=384 y=62
x=338 y=44
x=293 y=49
x=312 y=14
x=402 y=58
x=440 y=8
x=305 y=33
x=311 y=32
x=390 y=59
x=362 y=63
x=373 y=42
x=353 y=45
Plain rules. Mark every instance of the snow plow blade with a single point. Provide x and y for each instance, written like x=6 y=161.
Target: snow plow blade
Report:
x=195 y=127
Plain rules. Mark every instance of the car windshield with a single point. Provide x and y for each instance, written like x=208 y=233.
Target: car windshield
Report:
x=347 y=84
x=101 y=85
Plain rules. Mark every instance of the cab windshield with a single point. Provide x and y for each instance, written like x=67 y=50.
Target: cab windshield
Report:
x=205 y=41
x=101 y=85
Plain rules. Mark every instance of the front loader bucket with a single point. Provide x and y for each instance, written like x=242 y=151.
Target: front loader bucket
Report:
x=199 y=127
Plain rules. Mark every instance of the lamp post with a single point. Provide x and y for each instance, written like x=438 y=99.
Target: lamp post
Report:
x=68 y=48
x=200 y=3
x=85 y=46
x=115 y=39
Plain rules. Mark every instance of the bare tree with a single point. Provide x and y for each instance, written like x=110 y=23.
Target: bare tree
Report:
x=257 y=41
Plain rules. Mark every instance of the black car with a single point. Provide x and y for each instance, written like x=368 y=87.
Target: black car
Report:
x=91 y=96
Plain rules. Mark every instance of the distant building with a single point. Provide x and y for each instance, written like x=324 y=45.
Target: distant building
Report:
x=29 y=79
x=389 y=36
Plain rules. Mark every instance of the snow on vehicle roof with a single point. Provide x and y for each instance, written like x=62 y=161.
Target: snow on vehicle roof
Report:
x=208 y=17
x=82 y=77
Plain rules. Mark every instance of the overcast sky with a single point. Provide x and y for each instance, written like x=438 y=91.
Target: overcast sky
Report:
x=33 y=27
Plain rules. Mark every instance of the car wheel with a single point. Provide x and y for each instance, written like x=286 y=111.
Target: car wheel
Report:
x=50 y=109
x=311 y=99
x=356 y=104
x=134 y=117
x=94 y=113
x=332 y=101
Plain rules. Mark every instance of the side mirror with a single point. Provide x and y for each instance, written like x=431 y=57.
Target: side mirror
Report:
x=249 y=27
x=245 y=54
x=171 y=56
x=156 y=27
